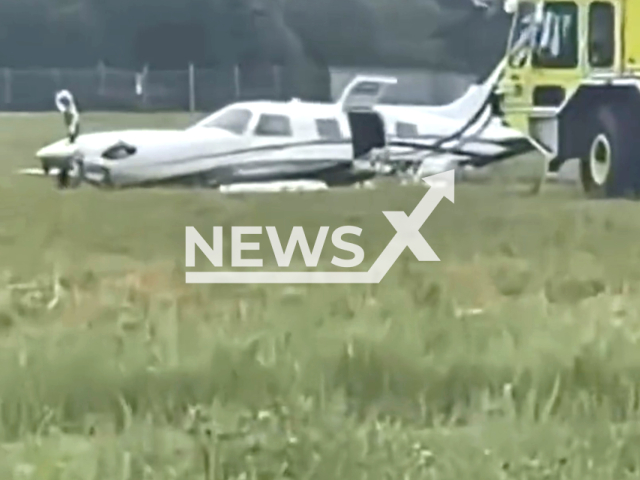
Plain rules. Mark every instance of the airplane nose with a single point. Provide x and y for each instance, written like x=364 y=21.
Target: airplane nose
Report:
x=58 y=155
x=56 y=151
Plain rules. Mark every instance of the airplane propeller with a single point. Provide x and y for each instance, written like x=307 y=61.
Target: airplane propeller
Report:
x=72 y=176
x=67 y=106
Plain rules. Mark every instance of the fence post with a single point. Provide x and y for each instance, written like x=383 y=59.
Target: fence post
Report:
x=55 y=73
x=144 y=84
x=102 y=74
x=192 y=88
x=7 y=86
x=236 y=80
x=277 y=81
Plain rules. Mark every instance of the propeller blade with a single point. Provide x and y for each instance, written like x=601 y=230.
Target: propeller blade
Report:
x=66 y=105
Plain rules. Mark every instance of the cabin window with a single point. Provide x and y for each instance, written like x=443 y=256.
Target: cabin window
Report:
x=328 y=129
x=406 y=130
x=235 y=121
x=601 y=34
x=274 y=126
x=119 y=151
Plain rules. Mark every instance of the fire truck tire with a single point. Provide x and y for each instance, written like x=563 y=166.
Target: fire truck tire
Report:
x=610 y=168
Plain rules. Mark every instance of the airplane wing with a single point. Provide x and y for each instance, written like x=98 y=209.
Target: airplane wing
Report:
x=38 y=172
x=368 y=136
x=474 y=151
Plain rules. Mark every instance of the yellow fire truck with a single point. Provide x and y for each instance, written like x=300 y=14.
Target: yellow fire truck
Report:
x=571 y=83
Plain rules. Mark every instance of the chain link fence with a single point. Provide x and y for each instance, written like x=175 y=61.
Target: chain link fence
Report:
x=195 y=89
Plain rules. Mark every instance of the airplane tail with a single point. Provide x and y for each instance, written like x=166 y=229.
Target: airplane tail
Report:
x=368 y=129
x=473 y=99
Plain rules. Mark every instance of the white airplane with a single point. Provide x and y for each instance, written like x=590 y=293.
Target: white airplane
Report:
x=267 y=141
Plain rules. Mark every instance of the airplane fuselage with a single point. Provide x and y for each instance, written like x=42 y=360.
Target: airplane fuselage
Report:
x=266 y=141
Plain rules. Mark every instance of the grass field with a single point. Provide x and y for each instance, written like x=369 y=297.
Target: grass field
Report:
x=515 y=357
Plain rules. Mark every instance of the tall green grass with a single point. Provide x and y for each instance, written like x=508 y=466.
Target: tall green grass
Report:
x=514 y=357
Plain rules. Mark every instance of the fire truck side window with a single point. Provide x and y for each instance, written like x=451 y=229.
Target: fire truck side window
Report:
x=601 y=34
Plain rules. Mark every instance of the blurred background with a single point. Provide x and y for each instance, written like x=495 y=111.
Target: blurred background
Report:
x=202 y=54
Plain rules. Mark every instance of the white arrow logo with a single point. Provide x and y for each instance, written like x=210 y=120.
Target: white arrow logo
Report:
x=407 y=235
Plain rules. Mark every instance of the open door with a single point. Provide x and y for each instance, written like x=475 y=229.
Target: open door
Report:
x=367 y=131
x=364 y=92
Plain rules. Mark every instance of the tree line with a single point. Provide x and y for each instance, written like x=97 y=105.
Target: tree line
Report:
x=307 y=36
x=449 y=34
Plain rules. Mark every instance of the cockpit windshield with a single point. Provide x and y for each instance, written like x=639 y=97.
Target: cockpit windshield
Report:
x=235 y=120
x=551 y=42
